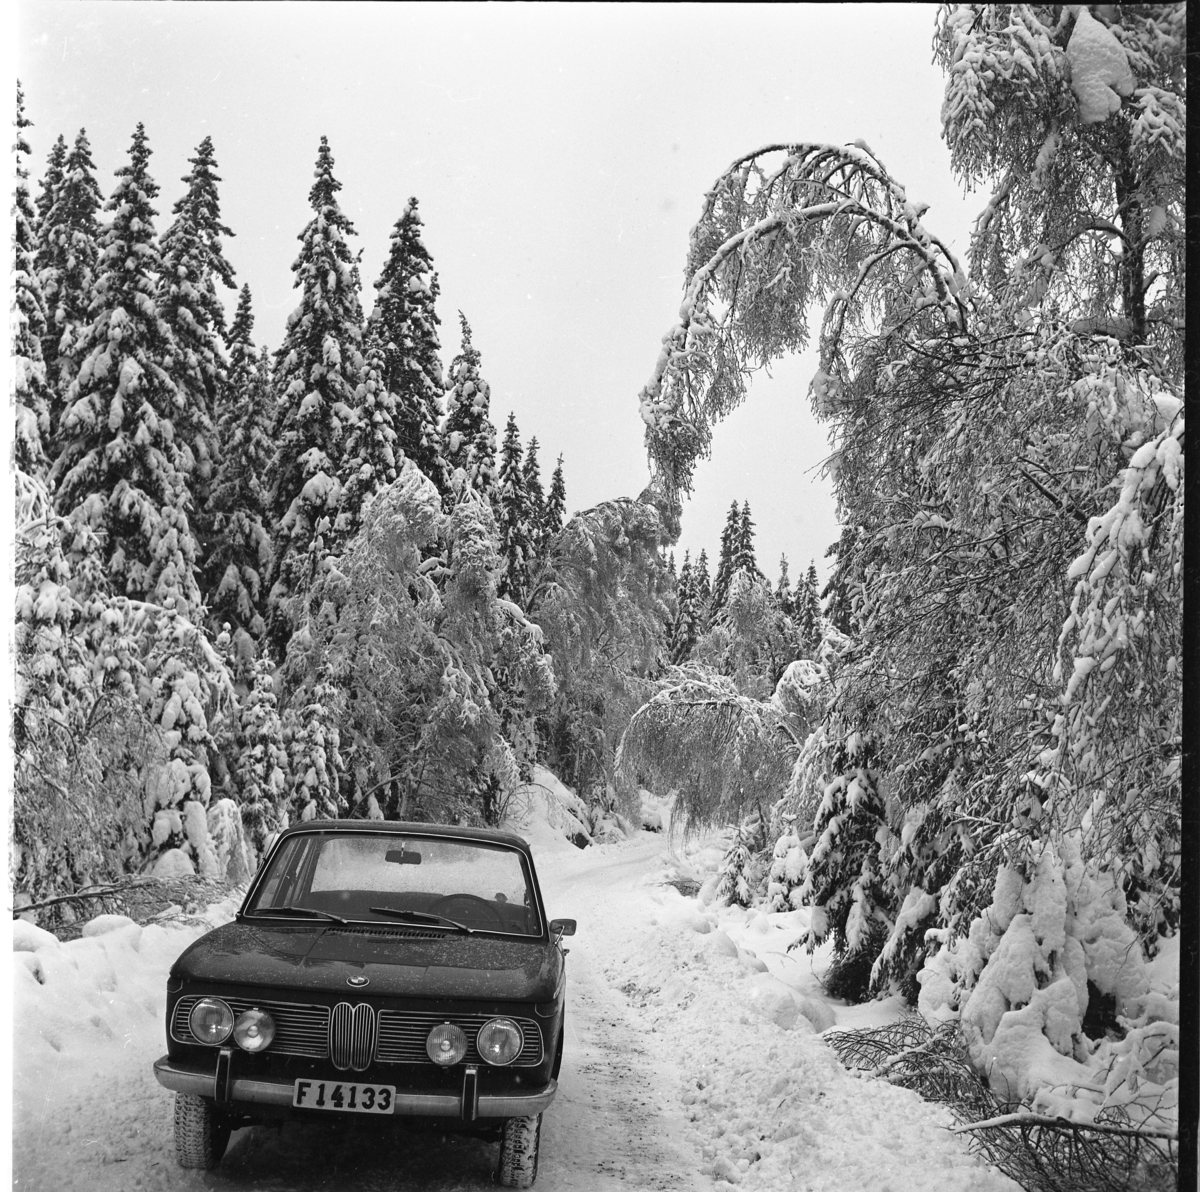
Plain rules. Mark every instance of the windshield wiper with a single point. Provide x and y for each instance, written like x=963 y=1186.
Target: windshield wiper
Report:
x=277 y=911
x=422 y=917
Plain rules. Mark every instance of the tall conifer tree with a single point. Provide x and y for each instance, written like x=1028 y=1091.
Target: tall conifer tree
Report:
x=120 y=472
x=69 y=238
x=468 y=434
x=684 y=631
x=193 y=261
x=535 y=496
x=703 y=586
x=513 y=518
x=238 y=558
x=726 y=560
x=808 y=608
x=405 y=323
x=372 y=456
x=743 y=556
x=556 y=503
x=51 y=180
x=318 y=368
x=28 y=320
x=783 y=592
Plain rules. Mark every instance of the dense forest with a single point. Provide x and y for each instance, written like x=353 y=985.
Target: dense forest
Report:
x=260 y=585
x=256 y=585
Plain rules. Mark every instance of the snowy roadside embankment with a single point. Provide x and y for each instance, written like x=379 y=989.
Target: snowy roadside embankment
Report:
x=88 y=1021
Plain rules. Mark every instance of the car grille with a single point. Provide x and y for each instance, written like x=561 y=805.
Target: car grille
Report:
x=350 y=1035
x=299 y=1029
x=402 y=1035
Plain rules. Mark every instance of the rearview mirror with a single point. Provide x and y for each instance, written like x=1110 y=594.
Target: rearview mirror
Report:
x=399 y=856
x=562 y=926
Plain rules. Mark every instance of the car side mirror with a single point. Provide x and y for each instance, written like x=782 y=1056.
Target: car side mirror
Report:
x=562 y=926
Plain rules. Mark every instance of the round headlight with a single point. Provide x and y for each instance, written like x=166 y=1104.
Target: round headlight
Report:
x=500 y=1041
x=446 y=1044
x=254 y=1030
x=211 y=1020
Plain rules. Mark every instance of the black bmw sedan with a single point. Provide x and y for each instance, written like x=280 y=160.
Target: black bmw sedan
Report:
x=375 y=970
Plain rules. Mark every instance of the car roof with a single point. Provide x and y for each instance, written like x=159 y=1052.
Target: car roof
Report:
x=406 y=828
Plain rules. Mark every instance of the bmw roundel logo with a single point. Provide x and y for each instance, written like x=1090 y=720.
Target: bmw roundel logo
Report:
x=358 y=982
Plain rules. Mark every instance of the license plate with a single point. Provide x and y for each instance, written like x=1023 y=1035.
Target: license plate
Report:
x=348 y=1098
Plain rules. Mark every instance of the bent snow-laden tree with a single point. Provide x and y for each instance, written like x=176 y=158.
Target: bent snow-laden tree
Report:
x=1016 y=630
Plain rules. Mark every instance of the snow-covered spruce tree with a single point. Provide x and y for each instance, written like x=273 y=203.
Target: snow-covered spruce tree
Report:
x=192 y=263
x=28 y=321
x=683 y=630
x=556 y=502
x=783 y=589
x=405 y=323
x=261 y=765
x=238 y=558
x=372 y=454
x=468 y=436
x=602 y=602
x=317 y=371
x=703 y=593
x=189 y=690
x=51 y=180
x=69 y=240
x=121 y=471
x=808 y=609
x=976 y=430
x=744 y=558
x=312 y=736
x=740 y=870
x=726 y=559
x=535 y=495
x=514 y=517
x=844 y=878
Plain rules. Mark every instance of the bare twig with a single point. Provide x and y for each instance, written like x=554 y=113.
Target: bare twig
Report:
x=1061 y=1123
x=102 y=892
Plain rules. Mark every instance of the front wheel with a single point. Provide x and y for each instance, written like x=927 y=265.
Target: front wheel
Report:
x=519 y=1152
x=201 y=1132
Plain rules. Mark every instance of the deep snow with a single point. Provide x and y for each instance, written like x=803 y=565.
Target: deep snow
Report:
x=692 y=1059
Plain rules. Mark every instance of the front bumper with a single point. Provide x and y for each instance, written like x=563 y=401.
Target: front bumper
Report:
x=467 y=1105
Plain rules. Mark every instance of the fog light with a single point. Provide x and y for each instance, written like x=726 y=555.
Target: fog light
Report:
x=254 y=1030
x=500 y=1041
x=211 y=1020
x=446 y=1044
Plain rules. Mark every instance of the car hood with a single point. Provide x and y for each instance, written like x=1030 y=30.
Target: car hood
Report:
x=320 y=957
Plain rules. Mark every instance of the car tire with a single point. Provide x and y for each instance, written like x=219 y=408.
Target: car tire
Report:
x=201 y=1131
x=519 y=1152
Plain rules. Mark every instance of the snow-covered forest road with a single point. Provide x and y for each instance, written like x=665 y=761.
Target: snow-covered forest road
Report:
x=673 y=1076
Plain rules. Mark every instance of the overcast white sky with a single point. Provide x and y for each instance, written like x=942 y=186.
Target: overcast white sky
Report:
x=559 y=154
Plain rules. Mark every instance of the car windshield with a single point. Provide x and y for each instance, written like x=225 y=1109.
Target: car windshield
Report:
x=455 y=885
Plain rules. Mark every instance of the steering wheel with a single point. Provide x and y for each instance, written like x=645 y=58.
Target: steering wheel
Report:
x=438 y=908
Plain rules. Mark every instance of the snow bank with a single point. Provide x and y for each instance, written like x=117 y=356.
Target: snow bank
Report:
x=89 y=1021
x=548 y=814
